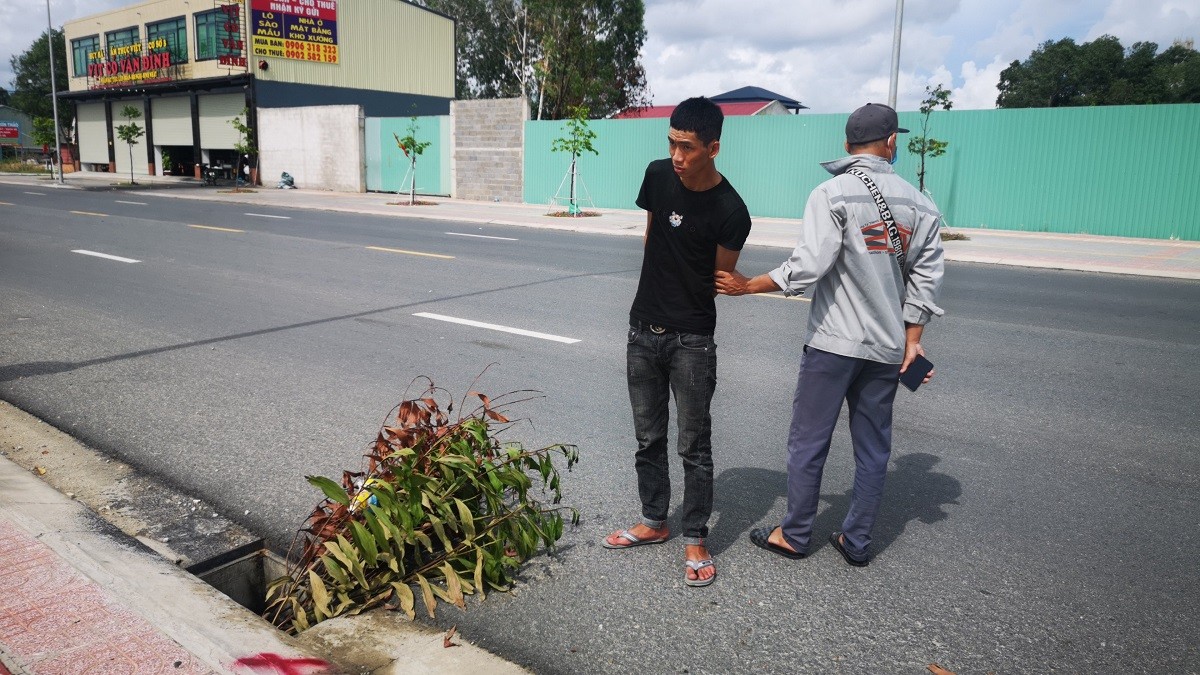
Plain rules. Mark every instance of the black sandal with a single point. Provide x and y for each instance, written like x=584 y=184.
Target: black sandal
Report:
x=760 y=537
x=836 y=540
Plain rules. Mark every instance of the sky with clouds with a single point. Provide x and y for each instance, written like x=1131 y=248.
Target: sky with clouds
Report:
x=831 y=55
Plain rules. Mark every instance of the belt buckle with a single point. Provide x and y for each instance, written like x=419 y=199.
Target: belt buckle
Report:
x=657 y=330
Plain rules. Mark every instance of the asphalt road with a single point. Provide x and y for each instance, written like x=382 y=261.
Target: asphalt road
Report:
x=1040 y=512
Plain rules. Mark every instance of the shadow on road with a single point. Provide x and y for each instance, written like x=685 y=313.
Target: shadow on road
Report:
x=744 y=497
x=913 y=491
x=33 y=369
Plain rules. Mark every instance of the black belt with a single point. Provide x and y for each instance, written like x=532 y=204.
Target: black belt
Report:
x=657 y=329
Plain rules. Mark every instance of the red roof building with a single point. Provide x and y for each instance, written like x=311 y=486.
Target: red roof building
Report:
x=739 y=102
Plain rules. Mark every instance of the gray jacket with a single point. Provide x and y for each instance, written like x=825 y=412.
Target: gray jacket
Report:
x=860 y=303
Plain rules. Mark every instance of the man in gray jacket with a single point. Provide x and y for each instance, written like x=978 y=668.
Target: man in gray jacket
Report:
x=864 y=327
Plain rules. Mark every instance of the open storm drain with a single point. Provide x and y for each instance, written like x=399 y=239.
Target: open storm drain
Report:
x=243 y=574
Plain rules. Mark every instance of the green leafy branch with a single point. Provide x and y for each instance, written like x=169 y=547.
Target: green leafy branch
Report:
x=443 y=505
x=579 y=137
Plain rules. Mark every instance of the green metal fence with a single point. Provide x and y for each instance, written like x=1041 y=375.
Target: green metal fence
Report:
x=1115 y=170
x=387 y=167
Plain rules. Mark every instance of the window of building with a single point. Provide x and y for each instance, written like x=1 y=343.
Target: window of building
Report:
x=213 y=38
x=82 y=51
x=115 y=40
x=174 y=31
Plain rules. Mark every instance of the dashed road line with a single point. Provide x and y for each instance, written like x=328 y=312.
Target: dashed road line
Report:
x=400 y=250
x=40 y=194
x=106 y=256
x=267 y=215
x=90 y=213
x=134 y=203
x=214 y=227
x=493 y=326
x=6 y=204
x=482 y=236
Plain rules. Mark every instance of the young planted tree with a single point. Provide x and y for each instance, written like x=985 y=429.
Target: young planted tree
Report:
x=412 y=148
x=244 y=145
x=578 y=140
x=924 y=146
x=130 y=132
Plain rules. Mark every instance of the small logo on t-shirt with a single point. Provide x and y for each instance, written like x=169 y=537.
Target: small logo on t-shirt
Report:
x=676 y=219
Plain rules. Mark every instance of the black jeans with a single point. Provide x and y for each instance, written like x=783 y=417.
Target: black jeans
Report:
x=683 y=364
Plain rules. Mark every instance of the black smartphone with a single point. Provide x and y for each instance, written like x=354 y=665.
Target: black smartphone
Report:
x=915 y=375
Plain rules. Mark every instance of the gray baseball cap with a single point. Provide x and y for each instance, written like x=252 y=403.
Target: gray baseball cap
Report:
x=872 y=122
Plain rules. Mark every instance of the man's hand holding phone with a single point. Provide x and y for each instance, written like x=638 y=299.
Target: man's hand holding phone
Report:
x=916 y=369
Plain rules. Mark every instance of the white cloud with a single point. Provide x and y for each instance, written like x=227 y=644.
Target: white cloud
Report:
x=1139 y=21
x=978 y=89
x=833 y=56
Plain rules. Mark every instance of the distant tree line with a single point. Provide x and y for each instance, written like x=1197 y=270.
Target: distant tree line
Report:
x=1101 y=72
x=560 y=54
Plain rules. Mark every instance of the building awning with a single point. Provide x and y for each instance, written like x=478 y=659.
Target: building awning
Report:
x=223 y=83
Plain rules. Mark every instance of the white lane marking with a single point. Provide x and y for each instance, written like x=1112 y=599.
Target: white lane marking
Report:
x=40 y=194
x=213 y=227
x=481 y=236
x=503 y=329
x=134 y=203
x=400 y=250
x=106 y=256
x=266 y=215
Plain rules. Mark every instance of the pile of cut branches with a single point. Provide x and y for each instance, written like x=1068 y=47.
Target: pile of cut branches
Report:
x=443 y=505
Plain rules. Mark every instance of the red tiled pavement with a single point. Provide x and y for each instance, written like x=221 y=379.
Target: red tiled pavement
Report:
x=54 y=620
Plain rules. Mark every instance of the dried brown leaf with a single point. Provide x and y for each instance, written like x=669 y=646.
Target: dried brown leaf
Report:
x=446 y=641
x=938 y=670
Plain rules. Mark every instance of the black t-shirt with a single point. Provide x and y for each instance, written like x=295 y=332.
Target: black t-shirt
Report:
x=676 y=286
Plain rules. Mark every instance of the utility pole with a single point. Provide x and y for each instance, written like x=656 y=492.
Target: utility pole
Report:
x=896 y=53
x=54 y=94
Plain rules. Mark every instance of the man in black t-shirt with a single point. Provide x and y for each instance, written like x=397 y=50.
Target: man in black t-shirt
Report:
x=695 y=224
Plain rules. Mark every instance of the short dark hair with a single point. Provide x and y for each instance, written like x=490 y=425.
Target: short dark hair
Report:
x=700 y=116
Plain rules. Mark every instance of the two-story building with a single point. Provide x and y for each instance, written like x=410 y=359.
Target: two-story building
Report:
x=190 y=66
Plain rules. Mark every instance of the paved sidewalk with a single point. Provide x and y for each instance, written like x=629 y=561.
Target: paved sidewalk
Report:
x=1081 y=252
x=78 y=596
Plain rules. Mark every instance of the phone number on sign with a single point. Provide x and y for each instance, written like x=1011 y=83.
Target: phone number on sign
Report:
x=310 y=52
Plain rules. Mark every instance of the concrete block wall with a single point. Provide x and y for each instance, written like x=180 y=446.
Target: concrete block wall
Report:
x=331 y=157
x=488 y=137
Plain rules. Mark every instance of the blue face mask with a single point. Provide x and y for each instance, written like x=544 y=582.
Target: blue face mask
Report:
x=895 y=156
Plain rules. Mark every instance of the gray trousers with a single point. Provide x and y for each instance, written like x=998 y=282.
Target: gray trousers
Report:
x=683 y=365
x=869 y=388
